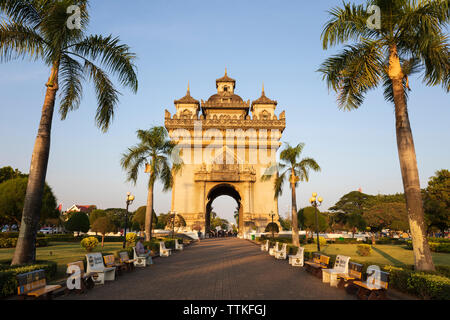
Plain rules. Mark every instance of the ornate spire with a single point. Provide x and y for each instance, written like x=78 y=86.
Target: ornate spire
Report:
x=263 y=93
x=188 y=90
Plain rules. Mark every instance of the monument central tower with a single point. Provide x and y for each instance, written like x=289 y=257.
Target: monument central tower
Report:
x=226 y=145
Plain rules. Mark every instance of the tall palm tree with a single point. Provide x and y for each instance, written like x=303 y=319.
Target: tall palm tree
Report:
x=293 y=169
x=152 y=153
x=411 y=39
x=37 y=29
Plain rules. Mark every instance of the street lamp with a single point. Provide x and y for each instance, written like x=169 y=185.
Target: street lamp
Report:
x=173 y=226
x=316 y=202
x=272 y=215
x=130 y=199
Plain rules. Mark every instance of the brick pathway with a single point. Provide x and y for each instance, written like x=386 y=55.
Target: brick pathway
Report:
x=217 y=269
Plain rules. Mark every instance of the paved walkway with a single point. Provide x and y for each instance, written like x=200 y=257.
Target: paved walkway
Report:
x=217 y=269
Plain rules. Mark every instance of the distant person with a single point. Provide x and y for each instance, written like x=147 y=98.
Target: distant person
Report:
x=142 y=252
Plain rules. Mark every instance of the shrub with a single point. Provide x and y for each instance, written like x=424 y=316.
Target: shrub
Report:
x=434 y=246
x=322 y=241
x=364 y=250
x=11 y=242
x=89 y=243
x=429 y=286
x=62 y=238
x=131 y=239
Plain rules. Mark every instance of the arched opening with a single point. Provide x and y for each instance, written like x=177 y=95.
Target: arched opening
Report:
x=218 y=191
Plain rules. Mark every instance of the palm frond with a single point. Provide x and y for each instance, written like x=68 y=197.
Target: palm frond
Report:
x=19 y=41
x=107 y=95
x=347 y=23
x=21 y=11
x=71 y=77
x=353 y=72
x=116 y=57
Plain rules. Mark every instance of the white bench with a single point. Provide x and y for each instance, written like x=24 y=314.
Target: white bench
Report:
x=274 y=249
x=178 y=246
x=340 y=266
x=95 y=266
x=265 y=246
x=163 y=251
x=297 y=259
x=141 y=260
x=282 y=254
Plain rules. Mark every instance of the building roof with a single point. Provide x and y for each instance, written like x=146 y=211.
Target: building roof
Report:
x=226 y=78
x=187 y=99
x=264 y=100
x=225 y=97
x=82 y=208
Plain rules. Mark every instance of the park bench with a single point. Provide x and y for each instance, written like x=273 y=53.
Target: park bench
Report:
x=319 y=262
x=297 y=259
x=141 y=260
x=282 y=253
x=376 y=285
x=340 y=266
x=273 y=249
x=85 y=279
x=265 y=246
x=95 y=265
x=346 y=279
x=178 y=246
x=163 y=251
x=33 y=284
x=124 y=258
x=110 y=261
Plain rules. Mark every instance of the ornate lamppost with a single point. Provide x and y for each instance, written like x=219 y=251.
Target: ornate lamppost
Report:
x=173 y=224
x=316 y=202
x=130 y=199
x=271 y=225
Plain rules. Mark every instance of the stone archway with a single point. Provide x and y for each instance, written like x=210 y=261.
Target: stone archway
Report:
x=222 y=189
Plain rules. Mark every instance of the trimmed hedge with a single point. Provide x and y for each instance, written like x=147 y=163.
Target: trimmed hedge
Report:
x=8 y=273
x=443 y=247
x=11 y=242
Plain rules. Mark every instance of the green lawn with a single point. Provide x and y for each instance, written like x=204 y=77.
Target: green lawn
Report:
x=63 y=253
x=396 y=255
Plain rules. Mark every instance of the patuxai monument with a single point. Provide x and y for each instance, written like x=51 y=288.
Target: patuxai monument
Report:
x=226 y=144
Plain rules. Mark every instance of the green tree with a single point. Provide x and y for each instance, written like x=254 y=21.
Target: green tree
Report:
x=95 y=214
x=78 y=222
x=412 y=38
x=139 y=217
x=272 y=227
x=12 y=198
x=437 y=201
x=293 y=169
x=307 y=220
x=285 y=224
x=391 y=215
x=176 y=219
x=103 y=225
x=152 y=153
x=117 y=216
x=7 y=173
x=38 y=30
x=162 y=221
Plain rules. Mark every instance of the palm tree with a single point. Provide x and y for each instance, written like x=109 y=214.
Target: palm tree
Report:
x=37 y=29
x=294 y=170
x=411 y=39
x=151 y=153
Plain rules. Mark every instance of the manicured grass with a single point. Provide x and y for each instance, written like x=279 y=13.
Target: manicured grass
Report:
x=63 y=253
x=396 y=255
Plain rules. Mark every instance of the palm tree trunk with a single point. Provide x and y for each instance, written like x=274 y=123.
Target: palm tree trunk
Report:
x=25 y=251
x=295 y=237
x=149 y=213
x=408 y=164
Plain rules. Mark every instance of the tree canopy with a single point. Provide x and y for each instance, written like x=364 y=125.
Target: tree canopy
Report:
x=437 y=201
x=12 y=197
x=78 y=222
x=139 y=218
x=307 y=219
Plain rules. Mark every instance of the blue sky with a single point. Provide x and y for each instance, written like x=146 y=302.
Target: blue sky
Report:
x=275 y=42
